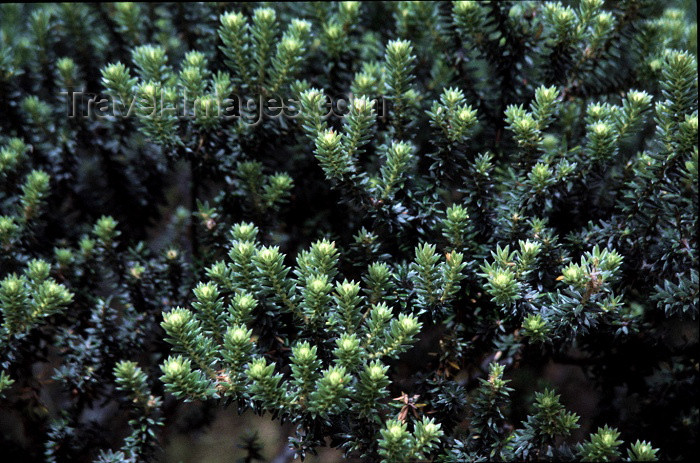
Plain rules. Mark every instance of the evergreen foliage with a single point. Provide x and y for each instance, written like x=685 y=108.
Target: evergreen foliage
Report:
x=384 y=224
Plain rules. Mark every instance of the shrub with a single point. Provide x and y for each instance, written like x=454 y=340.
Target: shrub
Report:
x=380 y=223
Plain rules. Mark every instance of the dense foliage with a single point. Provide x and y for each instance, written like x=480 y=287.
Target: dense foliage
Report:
x=382 y=223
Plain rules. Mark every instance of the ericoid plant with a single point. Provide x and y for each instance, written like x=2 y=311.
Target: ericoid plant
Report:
x=384 y=225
